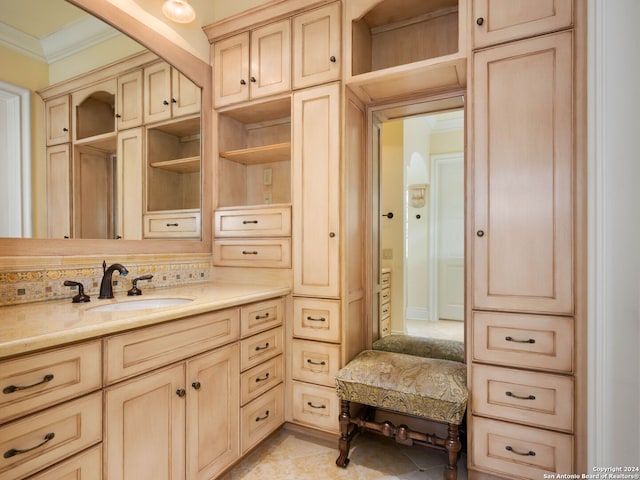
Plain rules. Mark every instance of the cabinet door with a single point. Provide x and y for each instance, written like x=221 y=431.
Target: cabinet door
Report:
x=129 y=173
x=213 y=412
x=316 y=191
x=157 y=93
x=145 y=427
x=59 y=191
x=523 y=170
x=231 y=70
x=185 y=95
x=316 y=46
x=270 y=59
x=498 y=21
x=58 y=119
x=129 y=100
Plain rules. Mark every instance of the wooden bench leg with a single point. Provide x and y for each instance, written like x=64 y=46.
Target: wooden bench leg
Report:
x=453 y=446
x=346 y=433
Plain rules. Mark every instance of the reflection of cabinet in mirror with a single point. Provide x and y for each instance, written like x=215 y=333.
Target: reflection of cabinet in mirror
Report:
x=109 y=113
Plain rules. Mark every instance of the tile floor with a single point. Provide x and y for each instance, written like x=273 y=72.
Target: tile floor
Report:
x=289 y=454
x=449 y=329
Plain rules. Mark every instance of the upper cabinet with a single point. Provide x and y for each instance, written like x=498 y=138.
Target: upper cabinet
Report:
x=168 y=94
x=252 y=64
x=498 y=21
x=403 y=48
x=317 y=46
x=129 y=100
x=58 y=120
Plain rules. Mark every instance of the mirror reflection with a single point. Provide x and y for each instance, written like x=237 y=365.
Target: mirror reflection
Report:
x=422 y=224
x=101 y=138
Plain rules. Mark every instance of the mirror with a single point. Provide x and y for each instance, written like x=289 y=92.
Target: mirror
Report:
x=182 y=62
x=421 y=219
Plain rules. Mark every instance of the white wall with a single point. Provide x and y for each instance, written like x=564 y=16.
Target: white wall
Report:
x=614 y=233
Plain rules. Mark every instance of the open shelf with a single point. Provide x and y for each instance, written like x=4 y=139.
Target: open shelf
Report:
x=179 y=165
x=279 y=152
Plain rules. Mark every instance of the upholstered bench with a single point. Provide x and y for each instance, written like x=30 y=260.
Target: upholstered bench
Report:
x=428 y=388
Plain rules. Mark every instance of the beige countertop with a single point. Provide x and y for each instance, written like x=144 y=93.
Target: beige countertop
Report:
x=34 y=326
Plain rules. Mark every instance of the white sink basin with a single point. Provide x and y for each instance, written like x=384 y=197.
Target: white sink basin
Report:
x=142 y=304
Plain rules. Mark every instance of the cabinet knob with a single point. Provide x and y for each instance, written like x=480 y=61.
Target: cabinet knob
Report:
x=181 y=392
x=196 y=385
x=480 y=233
x=253 y=79
x=65 y=129
x=173 y=100
x=480 y=21
x=332 y=58
x=165 y=102
x=118 y=115
x=331 y=234
x=242 y=82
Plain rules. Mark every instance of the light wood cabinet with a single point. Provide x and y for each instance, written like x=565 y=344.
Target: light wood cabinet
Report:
x=93 y=113
x=59 y=191
x=58 y=120
x=253 y=64
x=84 y=466
x=129 y=110
x=129 y=184
x=498 y=21
x=316 y=192
x=168 y=94
x=317 y=46
x=523 y=197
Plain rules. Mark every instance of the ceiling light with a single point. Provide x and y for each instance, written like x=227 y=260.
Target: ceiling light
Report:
x=178 y=11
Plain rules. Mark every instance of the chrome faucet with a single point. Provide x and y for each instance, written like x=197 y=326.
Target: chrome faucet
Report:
x=106 y=287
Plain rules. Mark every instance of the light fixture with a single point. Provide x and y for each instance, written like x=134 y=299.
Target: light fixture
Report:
x=179 y=11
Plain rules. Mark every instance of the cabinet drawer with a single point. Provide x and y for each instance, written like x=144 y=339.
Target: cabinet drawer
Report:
x=385 y=310
x=315 y=362
x=261 y=417
x=84 y=466
x=385 y=296
x=57 y=433
x=315 y=406
x=170 y=225
x=260 y=378
x=36 y=381
x=268 y=253
x=522 y=452
x=142 y=350
x=271 y=222
x=316 y=319
x=531 y=341
x=385 y=326
x=261 y=347
x=385 y=279
x=258 y=317
x=533 y=398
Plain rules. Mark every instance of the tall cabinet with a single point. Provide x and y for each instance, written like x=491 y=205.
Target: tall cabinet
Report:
x=525 y=310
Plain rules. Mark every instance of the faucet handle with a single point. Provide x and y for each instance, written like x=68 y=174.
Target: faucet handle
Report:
x=134 y=289
x=80 y=297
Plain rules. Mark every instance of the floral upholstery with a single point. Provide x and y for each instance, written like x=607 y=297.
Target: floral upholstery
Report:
x=435 y=389
x=422 y=347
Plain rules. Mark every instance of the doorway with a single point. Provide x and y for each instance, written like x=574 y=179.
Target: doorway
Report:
x=418 y=157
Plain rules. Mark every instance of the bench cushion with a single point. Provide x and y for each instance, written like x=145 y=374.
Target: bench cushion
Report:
x=422 y=347
x=425 y=387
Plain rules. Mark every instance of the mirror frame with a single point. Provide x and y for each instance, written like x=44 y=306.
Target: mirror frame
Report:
x=200 y=73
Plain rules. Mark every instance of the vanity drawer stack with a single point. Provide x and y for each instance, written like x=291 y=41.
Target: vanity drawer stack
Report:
x=50 y=410
x=315 y=359
x=253 y=237
x=384 y=309
x=262 y=367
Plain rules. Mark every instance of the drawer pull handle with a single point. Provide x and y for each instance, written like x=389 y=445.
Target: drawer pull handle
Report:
x=511 y=339
x=262 y=379
x=260 y=317
x=14 y=388
x=316 y=363
x=196 y=385
x=181 y=392
x=13 y=452
x=263 y=417
x=316 y=319
x=249 y=252
x=266 y=345
x=312 y=405
x=511 y=394
x=172 y=224
x=530 y=453
x=244 y=222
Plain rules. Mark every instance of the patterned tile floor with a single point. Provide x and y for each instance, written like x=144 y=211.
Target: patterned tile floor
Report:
x=293 y=455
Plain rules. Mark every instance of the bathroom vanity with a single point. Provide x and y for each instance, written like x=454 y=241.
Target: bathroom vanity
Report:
x=185 y=388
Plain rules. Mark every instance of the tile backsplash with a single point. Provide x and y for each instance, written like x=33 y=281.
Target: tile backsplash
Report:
x=24 y=283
